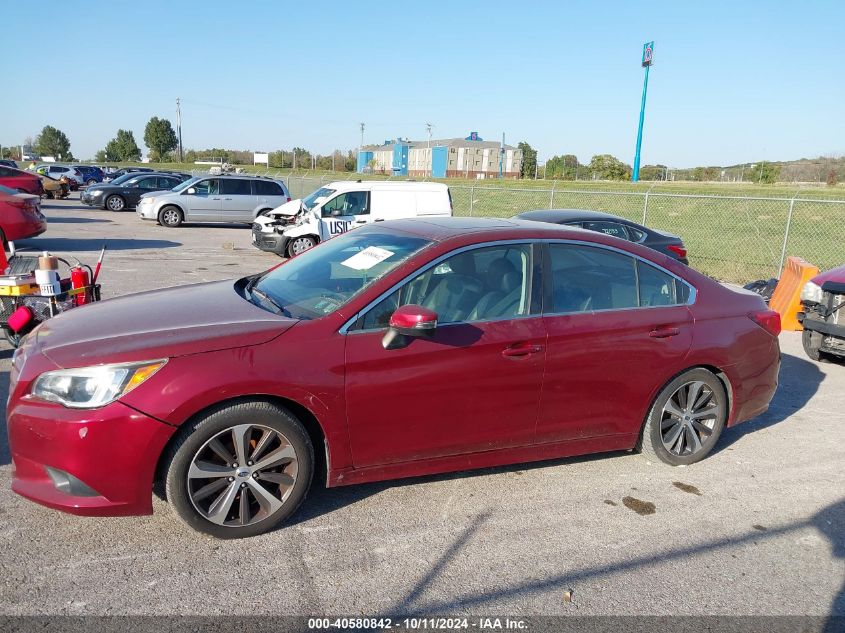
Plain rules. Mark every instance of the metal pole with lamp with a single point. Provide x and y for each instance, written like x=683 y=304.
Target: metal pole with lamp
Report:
x=648 y=55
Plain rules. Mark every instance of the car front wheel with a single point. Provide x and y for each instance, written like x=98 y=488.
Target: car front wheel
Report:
x=115 y=203
x=299 y=245
x=240 y=470
x=686 y=419
x=170 y=216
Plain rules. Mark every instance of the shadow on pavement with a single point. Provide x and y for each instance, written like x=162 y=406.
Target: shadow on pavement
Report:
x=71 y=220
x=798 y=382
x=830 y=522
x=65 y=244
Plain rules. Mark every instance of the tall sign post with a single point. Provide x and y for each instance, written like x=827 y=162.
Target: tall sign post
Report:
x=648 y=56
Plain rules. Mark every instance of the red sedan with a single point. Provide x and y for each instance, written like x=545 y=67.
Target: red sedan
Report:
x=21 y=181
x=20 y=215
x=398 y=349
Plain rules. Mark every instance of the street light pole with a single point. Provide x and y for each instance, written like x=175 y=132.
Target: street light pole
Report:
x=648 y=54
x=179 y=126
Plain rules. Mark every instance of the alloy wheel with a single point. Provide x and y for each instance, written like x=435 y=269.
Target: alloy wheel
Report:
x=242 y=475
x=689 y=418
x=300 y=245
x=170 y=217
x=115 y=203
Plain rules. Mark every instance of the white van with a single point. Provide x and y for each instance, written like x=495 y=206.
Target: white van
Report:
x=340 y=206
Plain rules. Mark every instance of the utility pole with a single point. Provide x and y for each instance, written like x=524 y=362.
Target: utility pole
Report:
x=361 y=146
x=502 y=158
x=428 y=127
x=648 y=55
x=179 y=126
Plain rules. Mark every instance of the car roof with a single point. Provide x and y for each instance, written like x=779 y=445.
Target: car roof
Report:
x=441 y=229
x=569 y=215
x=366 y=185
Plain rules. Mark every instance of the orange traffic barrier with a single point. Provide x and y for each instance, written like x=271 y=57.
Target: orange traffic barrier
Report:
x=786 y=299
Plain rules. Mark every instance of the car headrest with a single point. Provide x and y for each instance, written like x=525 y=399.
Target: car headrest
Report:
x=511 y=281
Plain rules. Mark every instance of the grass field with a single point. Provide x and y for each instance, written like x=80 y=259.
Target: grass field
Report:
x=733 y=231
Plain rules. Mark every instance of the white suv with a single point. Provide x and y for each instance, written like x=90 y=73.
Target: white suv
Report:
x=57 y=171
x=235 y=199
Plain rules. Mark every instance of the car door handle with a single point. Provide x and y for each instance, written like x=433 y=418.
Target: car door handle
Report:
x=664 y=332
x=520 y=350
x=227 y=198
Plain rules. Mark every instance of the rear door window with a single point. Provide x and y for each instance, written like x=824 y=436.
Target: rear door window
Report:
x=267 y=188
x=658 y=288
x=608 y=228
x=586 y=278
x=235 y=187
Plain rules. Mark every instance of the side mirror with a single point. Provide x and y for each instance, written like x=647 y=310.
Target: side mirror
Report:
x=408 y=322
x=191 y=191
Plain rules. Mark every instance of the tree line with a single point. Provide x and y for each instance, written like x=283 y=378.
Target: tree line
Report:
x=160 y=137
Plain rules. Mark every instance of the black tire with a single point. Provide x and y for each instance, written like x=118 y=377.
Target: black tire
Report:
x=812 y=342
x=237 y=494
x=91 y=181
x=115 y=203
x=303 y=242
x=170 y=216
x=49 y=195
x=692 y=442
x=13 y=338
x=263 y=212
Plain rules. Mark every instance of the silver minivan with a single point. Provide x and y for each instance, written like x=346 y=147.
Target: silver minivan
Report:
x=229 y=198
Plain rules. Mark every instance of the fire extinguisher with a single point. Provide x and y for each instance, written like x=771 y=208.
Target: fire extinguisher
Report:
x=80 y=277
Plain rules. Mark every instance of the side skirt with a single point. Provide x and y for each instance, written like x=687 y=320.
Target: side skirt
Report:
x=486 y=459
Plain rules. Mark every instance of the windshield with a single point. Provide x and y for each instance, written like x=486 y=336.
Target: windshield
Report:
x=187 y=184
x=323 y=192
x=122 y=178
x=320 y=280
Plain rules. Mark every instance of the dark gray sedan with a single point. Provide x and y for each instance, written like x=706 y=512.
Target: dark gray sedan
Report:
x=666 y=243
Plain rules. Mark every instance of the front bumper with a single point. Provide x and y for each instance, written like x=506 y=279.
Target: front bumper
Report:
x=146 y=211
x=91 y=201
x=823 y=327
x=271 y=242
x=98 y=462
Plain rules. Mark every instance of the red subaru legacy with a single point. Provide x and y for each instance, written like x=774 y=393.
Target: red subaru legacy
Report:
x=400 y=348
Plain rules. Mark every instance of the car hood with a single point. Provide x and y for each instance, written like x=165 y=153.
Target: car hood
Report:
x=158 y=324
x=834 y=274
x=288 y=209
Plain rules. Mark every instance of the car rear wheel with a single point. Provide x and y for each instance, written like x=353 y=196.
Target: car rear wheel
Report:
x=115 y=203
x=170 y=216
x=91 y=181
x=812 y=342
x=686 y=419
x=299 y=245
x=240 y=470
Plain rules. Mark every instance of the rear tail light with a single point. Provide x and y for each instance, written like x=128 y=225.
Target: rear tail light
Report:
x=288 y=199
x=769 y=320
x=680 y=251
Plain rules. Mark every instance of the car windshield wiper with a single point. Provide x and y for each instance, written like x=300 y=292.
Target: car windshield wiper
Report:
x=263 y=296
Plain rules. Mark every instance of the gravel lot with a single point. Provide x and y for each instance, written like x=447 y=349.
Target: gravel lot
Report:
x=757 y=528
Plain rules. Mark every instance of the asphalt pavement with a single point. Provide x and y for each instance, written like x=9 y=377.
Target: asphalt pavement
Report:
x=756 y=528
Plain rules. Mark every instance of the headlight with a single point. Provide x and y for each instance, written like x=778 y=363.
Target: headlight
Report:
x=92 y=387
x=147 y=200
x=811 y=293
x=97 y=192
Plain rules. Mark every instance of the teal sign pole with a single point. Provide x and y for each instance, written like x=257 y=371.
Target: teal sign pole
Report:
x=648 y=54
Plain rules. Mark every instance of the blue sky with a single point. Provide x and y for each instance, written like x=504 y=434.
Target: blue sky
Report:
x=732 y=82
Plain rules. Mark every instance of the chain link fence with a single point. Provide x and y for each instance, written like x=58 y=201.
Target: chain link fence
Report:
x=732 y=238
